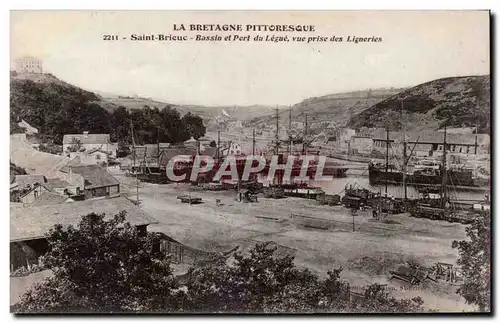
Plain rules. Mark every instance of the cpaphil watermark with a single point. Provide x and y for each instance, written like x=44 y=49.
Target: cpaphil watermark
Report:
x=300 y=168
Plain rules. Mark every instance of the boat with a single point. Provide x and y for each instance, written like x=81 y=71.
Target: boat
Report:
x=422 y=176
x=358 y=197
x=302 y=190
x=434 y=203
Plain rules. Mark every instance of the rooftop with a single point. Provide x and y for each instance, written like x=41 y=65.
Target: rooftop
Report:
x=53 y=183
x=34 y=222
x=25 y=180
x=87 y=138
x=49 y=198
x=434 y=137
x=94 y=176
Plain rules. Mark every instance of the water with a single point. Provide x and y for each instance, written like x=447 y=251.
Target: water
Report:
x=337 y=186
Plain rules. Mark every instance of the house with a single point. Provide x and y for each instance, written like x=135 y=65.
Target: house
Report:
x=360 y=145
x=234 y=149
x=51 y=198
x=427 y=143
x=29 y=196
x=87 y=142
x=93 y=180
x=191 y=143
x=31 y=188
x=29 y=225
x=93 y=156
x=29 y=64
x=343 y=137
x=204 y=141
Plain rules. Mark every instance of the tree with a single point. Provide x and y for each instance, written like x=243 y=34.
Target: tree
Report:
x=256 y=283
x=102 y=266
x=120 y=126
x=107 y=266
x=377 y=300
x=194 y=125
x=75 y=145
x=475 y=261
x=263 y=282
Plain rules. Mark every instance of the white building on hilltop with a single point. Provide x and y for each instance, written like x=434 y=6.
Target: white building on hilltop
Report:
x=29 y=64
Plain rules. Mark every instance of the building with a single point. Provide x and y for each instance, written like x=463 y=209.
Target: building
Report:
x=427 y=143
x=31 y=188
x=234 y=149
x=29 y=225
x=29 y=195
x=87 y=142
x=93 y=156
x=360 y=145
x=93 y=180
x=29 y=64
x=343 y=138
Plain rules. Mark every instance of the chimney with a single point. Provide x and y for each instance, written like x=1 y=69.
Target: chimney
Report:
x=86 y=134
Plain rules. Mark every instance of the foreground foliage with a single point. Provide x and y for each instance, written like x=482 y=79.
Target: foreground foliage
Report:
x=475 y=262
x=108 y=266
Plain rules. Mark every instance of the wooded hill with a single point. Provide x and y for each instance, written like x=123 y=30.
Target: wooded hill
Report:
x=56 y=108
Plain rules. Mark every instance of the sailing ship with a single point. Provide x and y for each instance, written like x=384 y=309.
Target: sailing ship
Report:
x=422 y=176
x=425 y=172
x=435 y=204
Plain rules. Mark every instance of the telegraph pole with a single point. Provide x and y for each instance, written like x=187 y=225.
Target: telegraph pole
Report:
x=277 y=131
x=253 y=142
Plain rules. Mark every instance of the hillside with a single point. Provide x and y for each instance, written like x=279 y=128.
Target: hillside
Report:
x=208 y=113
x=452 y=102
x=333 y=109
x=55 y=107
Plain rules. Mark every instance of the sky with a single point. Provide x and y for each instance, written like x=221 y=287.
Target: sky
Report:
x=416 y=47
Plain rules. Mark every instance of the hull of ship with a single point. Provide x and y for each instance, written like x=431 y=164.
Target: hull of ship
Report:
x=454 y=178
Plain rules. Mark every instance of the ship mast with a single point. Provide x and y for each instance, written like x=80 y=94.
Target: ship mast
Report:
x=218 y=147
x=290 y=130
x=475 y=143
x=253 y=142
x=136 y=175
x=277 y=138
x=386 y=158
x=404 y=152
x=158 y=145
x=444 y=173
x=304 y=144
